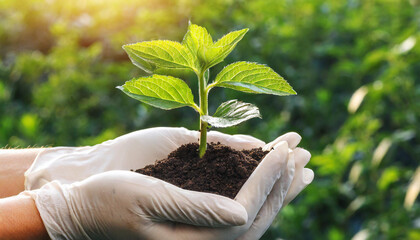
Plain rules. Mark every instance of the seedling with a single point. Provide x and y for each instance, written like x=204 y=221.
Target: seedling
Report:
x=198 y=52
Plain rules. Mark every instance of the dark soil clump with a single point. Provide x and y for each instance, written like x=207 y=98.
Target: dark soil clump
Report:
x=222 y=170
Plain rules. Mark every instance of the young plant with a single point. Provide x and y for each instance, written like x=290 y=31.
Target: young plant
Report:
x=198 y=52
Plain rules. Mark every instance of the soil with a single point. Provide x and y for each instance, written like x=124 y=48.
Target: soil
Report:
x=222 y=170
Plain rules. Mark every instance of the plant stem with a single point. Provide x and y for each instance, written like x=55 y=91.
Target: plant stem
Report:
x=204 y=111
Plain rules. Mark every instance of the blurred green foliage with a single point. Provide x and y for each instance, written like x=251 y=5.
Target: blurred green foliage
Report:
x=355 y=65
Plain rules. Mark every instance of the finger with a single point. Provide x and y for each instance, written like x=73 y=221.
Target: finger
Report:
x=273 y=203
x=152 y=143
x=258 y=142
x=140 y=148
x=255 y=190
x=163 y=202
x=292 y=138
x=237 y=142
x=303 y=176
x=306 y=178
x=302 y=157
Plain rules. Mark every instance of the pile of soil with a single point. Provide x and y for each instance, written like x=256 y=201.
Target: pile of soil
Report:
x=222 y=170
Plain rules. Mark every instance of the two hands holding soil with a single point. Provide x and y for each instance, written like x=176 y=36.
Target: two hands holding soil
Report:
x=81 y=193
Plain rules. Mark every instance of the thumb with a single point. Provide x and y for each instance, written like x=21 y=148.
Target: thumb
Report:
x=167 y=202
x=254 y=192
x=303 y=176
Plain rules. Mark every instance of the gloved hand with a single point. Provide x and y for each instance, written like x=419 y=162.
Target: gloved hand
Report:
x=137 y=149
x=131 y=151
x=127 y=205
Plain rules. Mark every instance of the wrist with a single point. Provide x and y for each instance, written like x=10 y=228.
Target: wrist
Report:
x=20 y=219
x=52 y=203
x=14 y=163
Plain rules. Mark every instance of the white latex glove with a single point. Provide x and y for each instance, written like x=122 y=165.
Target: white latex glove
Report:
x=137 y=149
x=131 y=151
x=276 y=199
x=127 y=205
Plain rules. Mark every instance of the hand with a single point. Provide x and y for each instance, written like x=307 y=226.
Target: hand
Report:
x=127 y=205
x=276 y=199
x=131 y=151
x=69 y=164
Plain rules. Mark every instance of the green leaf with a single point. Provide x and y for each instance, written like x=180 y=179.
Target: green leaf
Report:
x=196 y=40
x=159 y=53
x=159 y=91
x=253 y=78
x=221 y=49
x=139 y=62
x=206 y=53
x=231 y=113
x=389 y=176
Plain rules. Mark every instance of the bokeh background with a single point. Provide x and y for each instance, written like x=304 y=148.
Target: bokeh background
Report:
x=355 y=65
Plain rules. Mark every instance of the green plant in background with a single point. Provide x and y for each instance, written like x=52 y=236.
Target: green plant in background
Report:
x=60 y=61
x=199 y=53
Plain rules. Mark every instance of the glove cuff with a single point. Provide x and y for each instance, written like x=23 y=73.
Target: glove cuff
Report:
x=55 y=211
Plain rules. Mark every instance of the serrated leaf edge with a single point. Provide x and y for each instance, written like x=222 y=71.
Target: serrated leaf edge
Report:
x=218 y=83
x=189 y=60
x=185 y=101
